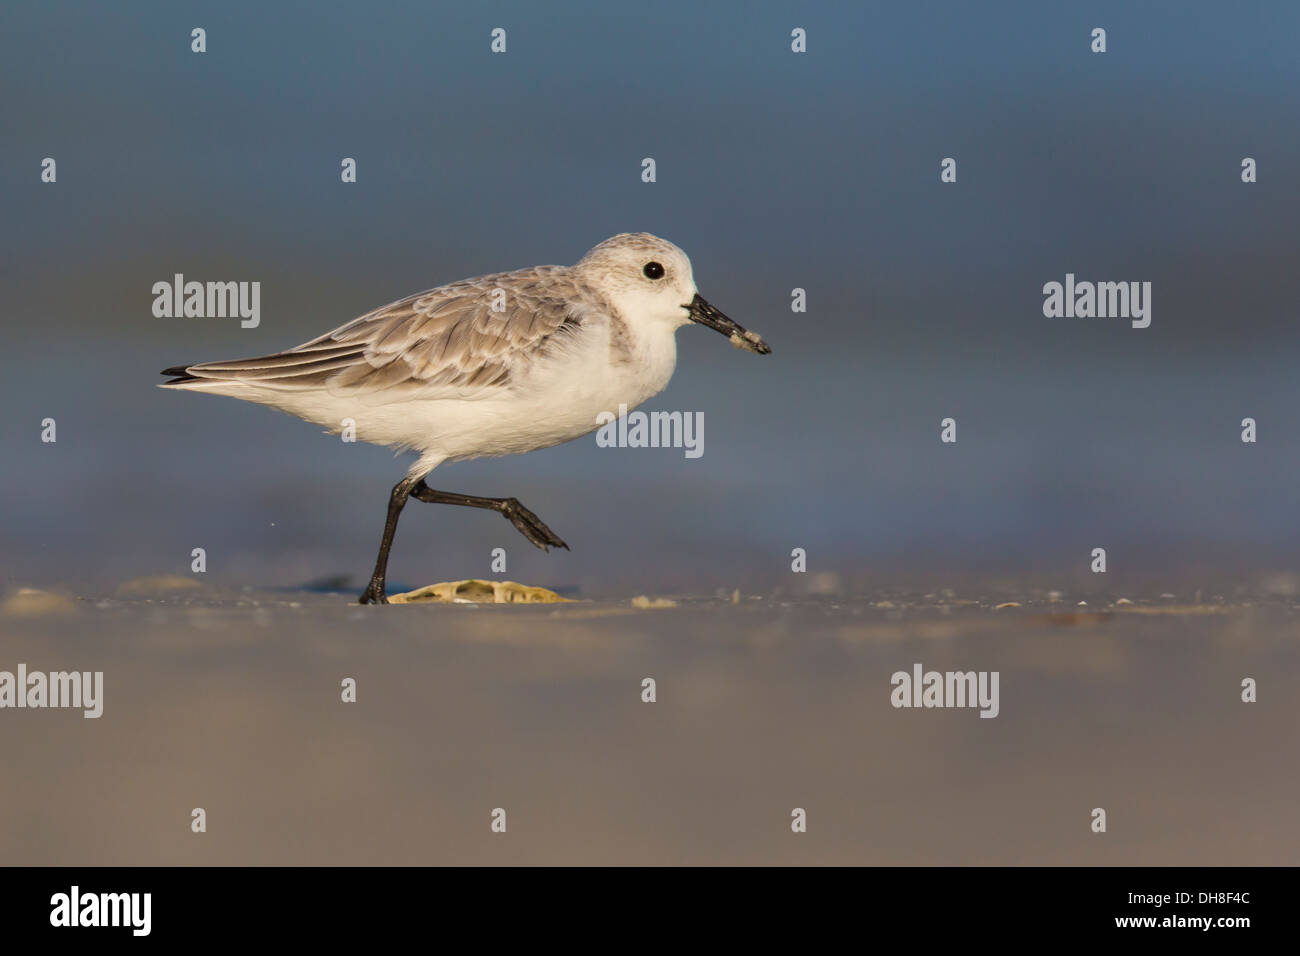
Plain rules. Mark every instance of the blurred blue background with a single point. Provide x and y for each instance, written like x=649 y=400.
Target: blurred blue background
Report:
x=775 y=171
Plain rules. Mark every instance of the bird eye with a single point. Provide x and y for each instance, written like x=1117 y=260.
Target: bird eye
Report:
x=653 y=270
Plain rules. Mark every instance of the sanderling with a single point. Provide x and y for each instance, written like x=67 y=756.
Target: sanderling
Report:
x=497 y=365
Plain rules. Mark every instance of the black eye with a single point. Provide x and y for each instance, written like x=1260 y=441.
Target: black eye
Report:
x=653 y=270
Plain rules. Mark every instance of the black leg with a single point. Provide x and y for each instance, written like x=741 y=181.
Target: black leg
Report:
x=374 y=594
x=529 y=525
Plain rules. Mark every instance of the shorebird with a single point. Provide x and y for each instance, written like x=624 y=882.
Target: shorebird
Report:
x=498 y=365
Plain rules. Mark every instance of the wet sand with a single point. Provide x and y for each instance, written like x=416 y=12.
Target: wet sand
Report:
x=230 y=701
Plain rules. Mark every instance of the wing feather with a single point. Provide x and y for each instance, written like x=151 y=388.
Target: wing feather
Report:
x=444 y=342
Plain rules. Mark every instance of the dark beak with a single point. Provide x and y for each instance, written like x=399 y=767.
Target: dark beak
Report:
x=706 y=314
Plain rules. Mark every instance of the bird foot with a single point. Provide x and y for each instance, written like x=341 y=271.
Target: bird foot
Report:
x=531 y=526
x=374 y=594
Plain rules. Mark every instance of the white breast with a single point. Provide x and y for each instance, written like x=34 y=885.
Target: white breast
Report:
x=555 y=400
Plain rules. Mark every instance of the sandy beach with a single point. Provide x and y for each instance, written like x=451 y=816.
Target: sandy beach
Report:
x=231 y=701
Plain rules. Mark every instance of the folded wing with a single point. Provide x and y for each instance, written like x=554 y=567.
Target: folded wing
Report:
x=456 y=340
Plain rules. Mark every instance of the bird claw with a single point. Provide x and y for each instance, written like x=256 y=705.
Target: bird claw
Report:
x=531 y=526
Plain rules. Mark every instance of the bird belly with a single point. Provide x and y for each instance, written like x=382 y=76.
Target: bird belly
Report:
x=558 y=401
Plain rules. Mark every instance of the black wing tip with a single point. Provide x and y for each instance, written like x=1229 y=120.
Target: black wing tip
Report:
x=181 y=372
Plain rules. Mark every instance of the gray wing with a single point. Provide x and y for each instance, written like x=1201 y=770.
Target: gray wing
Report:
x=449 y=341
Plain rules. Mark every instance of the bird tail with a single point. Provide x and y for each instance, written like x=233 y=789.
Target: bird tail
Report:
x=181 y=373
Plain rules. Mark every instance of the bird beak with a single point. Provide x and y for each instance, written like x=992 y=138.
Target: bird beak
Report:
x=705 y=314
